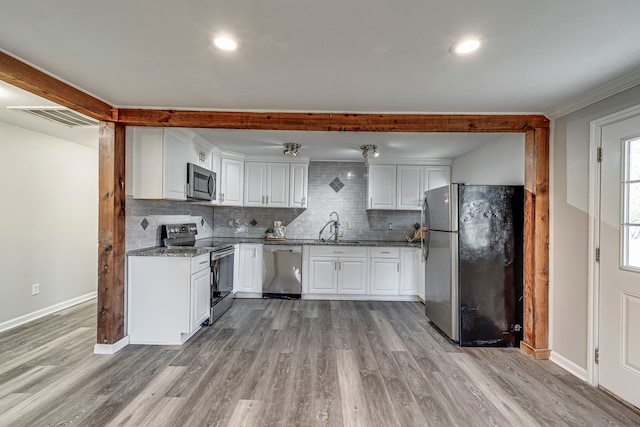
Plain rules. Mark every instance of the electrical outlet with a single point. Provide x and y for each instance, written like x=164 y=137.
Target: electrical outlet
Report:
x=35 y=289
x=230 y=223
x=390 y=226
x=349 y=226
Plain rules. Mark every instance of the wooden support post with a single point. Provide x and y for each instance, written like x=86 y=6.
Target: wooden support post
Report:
x=536 y=244
x=111 y=233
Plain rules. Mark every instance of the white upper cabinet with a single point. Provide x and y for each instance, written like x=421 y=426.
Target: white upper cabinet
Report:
x=255 y=183
x=231 y=182
x=413 y=181
x=277 y=194
x=436 y=176
x=199 y=153
x=159 y=157
x=215 y=167
x=409 y=186
x=298 y=185
x=266 y=184
x=381 y=188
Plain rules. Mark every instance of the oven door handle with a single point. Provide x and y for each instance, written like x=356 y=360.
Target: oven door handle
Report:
x=222 y=253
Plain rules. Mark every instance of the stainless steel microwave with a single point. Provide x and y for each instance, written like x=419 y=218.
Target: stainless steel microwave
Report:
x=201 y=183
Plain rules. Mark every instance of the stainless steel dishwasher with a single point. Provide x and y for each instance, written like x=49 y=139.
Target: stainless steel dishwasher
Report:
x=282 y=271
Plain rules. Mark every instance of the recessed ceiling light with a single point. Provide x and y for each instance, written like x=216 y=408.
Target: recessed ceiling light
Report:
x=465 y=46
x=225 y=43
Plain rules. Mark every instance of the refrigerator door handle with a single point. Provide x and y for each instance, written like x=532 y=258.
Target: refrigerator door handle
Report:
x=424 y=232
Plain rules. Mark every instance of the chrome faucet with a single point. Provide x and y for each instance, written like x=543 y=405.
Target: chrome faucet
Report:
x=334 y=229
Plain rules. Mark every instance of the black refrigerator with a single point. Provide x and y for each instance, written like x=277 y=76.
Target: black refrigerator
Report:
x=473 y=263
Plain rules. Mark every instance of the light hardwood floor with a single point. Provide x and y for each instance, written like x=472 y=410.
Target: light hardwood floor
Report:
x=289 y=363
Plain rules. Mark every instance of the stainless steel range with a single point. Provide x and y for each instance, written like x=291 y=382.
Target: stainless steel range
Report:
x=222 y=259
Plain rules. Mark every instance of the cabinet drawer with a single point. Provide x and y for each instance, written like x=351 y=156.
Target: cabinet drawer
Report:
x=385 y=252
x=200 y=263
x=338 y=251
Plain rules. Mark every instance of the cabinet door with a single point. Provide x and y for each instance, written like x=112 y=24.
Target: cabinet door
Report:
x=199 y=155
x=352 y=275
x=215 y=167
x=298 y=185
x=249 y=268
x=255 y=183
x=175 y=166
x=231 y=191
x=436 y=176
x=322 y=275
x=277 y=185
x=408 y=187
x=200 y=298
x=419 y=274
x=407 y=272
x=381 y=189
x=385 y=276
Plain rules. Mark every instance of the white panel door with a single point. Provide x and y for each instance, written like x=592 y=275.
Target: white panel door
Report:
x=385 y=276
x=381 y=187
x=200 y=298
x=298 y=185
x=619 y=288
x=322 y=275
x=255 y=183
x=352 y=275
x=175 y=166
x=435 y=177
x=277 y=185
x=407 y=273
x=408 y=187
x=231 y=184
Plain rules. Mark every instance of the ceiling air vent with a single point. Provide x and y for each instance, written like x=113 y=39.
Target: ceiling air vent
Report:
x=60 y=115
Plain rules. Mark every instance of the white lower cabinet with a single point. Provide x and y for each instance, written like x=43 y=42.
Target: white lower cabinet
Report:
x=388 y=273
x=419 y=273
x=337 y=270
x=168 y=298
x=385 y=276
x=408 y=278
x=249 y=267
x=352 y=275
x=322 y=275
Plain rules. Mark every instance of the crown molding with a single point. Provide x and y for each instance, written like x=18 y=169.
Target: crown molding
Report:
x=612 y=88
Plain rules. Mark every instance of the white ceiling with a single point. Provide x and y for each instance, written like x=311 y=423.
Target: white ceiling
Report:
x=330 y=55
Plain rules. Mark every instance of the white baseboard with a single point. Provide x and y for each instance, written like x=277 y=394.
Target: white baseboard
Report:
x=337 y=297
x=111 y=348
x=568 y=365
x=9 y=324
x=252 y=295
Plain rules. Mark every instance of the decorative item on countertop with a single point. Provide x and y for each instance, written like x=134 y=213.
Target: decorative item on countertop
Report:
x=417 y=236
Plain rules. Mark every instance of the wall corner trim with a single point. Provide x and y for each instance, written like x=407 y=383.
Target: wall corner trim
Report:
x=9 y=324
x=569 y=366
x=111 y=348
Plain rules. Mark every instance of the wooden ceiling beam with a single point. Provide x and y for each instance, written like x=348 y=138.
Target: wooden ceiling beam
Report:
x=345 y=122
x=32 y=80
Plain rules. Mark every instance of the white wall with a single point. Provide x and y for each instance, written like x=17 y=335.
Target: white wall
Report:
x=500 y=162
x=570 y=224
x=48 y=221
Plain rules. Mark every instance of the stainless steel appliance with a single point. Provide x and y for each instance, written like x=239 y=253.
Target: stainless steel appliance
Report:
x=473 y=263
x=282 y=271
x=222 y=261
x=201 y=183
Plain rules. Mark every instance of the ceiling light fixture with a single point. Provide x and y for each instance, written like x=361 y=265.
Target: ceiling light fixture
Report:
x=291 y=148
x=369 y=148
x=465 y=46
x=225 y=43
